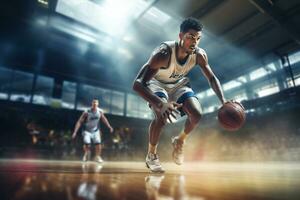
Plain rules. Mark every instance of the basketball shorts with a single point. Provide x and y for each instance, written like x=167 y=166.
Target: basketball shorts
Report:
x=91 y=136
x=177 y=92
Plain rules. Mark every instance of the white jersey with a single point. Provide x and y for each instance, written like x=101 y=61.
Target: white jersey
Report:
x=175 y=71
x=92 y=121
x=169 y=82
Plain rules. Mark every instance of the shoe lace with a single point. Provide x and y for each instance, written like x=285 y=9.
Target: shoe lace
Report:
x=154 y=158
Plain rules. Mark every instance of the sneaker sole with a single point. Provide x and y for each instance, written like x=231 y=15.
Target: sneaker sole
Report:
x=157 y=172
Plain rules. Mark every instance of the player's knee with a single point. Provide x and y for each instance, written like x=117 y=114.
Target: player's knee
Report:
x=195 y=117
x=160 y=120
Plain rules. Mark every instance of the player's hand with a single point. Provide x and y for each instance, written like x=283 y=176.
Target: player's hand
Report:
x=111 y=129
x=168 y=109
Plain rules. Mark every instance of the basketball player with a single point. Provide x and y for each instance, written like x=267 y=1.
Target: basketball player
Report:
x=162 y=82
x=91 y=130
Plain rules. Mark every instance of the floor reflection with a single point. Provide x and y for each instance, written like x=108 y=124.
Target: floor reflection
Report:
x=91 y=181
x=176 y=188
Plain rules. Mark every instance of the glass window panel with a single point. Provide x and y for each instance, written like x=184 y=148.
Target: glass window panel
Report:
x=104 y=97
x=267 y=89
x=138 y=107
x=87 y=93
x=132 y=105
x=5 y=79
x=145 y=111
x=68 y=94
x=297 y=81
x=231 y=84
x=271 y=66
x=290 y=82
x=294 y=58
x=242 y=79
x=240 y=97
x=21 y=86
x=117 y=103
x=210 y=109
x=201 y=95
x=43 y=90
x=210 y=92
x=258 y=73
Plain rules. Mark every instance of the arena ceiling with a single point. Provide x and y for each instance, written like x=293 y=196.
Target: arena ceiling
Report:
x=106 y=46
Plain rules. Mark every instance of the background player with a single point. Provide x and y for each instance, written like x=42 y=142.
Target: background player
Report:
x=90 y=120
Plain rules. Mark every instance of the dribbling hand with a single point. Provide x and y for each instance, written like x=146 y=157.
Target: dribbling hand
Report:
x=168 y=109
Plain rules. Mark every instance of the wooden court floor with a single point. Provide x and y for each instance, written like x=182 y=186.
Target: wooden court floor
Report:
x=73 y=180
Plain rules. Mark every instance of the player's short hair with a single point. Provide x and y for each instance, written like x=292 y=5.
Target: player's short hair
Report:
x=95 y=99
x=190 y=23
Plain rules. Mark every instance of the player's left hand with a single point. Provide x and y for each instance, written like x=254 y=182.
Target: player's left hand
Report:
x=111 y=129
x=170 y=109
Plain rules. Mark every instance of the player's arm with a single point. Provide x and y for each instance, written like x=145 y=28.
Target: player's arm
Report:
x=159 y=58
x=214 y=82
x=105 y=121
x=80 y=121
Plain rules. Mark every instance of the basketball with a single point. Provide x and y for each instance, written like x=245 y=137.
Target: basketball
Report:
x=232 y=116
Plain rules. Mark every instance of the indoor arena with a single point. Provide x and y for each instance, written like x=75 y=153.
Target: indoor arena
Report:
x=149 y=99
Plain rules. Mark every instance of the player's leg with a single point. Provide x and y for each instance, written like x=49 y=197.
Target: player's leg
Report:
x=87 y=152
x=155 y=128
x=192 y=108
x=98 y=146
x=86 y=146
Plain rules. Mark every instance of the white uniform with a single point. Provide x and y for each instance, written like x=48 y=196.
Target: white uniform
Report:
x=170 y=82
x=91 y=129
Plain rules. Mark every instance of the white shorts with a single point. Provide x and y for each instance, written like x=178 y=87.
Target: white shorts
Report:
x=89 y=137
x=177 y=92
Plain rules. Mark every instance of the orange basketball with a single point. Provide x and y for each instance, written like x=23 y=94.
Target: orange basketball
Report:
x=232 y=116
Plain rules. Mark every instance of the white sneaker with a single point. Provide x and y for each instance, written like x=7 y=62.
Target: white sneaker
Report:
x=152 y=162
x=178 y=156
x=99 y=159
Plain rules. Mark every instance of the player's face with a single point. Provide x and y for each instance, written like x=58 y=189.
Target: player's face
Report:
x=95 y=104
x=190 y=40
